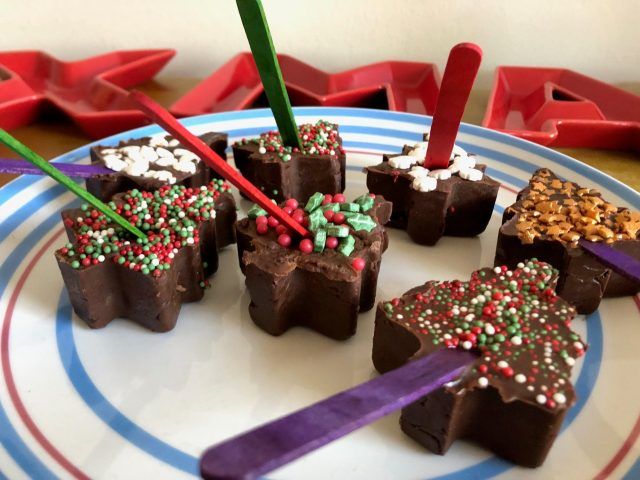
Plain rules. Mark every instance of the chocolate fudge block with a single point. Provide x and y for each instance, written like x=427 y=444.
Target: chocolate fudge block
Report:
x=546 y=222
x=150 y=163
x=320 y=283
x=110 y=274
x=456 y=201
x=513 y=399
x=282 y=172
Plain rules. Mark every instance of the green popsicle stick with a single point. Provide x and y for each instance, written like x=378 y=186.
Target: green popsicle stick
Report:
x=264 y=53
x=28 y=154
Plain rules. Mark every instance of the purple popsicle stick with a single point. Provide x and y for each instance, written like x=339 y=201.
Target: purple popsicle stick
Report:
x=22 y=167
x=619 y=261
x=274 y=444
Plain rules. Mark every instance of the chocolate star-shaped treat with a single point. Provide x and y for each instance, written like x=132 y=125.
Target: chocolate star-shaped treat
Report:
x=109 y=274
x=515 y=396
x=283 y=172
x=321 y=283
x=546 y=222
x=150 y=163
x=92 y=92
x=455 y=201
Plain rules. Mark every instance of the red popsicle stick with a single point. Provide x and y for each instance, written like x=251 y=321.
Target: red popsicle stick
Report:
x=167 y=121
x=459 y=75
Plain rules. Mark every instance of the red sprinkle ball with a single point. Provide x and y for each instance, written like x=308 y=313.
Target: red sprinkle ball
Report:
x=284 y=240
x=332 y=242
x=306 y=246
x=358 y=264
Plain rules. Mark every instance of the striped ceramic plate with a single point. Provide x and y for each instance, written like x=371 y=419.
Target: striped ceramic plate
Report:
x=125 y=403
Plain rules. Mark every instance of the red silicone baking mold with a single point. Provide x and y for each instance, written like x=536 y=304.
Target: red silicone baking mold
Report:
x=92 y=92
x=563 y=108
x=403 y=86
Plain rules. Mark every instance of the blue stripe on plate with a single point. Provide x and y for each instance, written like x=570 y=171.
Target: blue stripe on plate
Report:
x=20 y=453
x=16 y=186
x=9 y=438
x=14 y=220
x=102 y=407
x=634 y=471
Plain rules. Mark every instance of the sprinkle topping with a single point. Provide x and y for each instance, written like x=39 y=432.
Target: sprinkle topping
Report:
x=159 y=159
x=330 y=218
x=562 y=211
x=170 y=216
x=321 y=138
x=513 y=319
x=461 y=164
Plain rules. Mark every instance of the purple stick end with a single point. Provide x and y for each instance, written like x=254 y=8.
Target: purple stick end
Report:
x=22 y=167
x=618 y=261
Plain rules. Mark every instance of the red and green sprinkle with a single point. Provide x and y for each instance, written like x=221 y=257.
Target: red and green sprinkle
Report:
x=330 y=219
x=513 y=319
x=321 y=138
x=170 y=216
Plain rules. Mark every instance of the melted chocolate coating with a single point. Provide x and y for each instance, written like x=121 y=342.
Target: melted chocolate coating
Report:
x=320 y=291
x=100 y=293
x=299 y=178
x=106 y=186
x=496 y=408
x=457 y=207
x=583 y=280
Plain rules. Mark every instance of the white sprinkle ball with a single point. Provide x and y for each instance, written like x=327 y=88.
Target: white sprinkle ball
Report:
x=559 y=398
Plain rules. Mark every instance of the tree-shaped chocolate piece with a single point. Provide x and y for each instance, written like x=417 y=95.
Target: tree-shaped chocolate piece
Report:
x=283 y=172
x=321 y=282
x=149 y=163
x=548 y=219
x=110 y=274
x=456 y=201
x=515 y=396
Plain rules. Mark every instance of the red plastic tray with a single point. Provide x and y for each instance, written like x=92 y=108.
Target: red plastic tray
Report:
x=563 y=108
x=92 y=92
x=403 y=86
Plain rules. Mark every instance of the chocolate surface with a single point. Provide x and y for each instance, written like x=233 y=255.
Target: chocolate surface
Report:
x=106 y=186
x=549 y=217
x=514 y=398
x=456 y=207
x=285 y=173
x=109 y=275
x=319 y=290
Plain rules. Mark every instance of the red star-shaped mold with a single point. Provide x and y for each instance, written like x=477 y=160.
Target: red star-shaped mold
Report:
x=402 y=86
x=563 y=108
x=92 y=92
